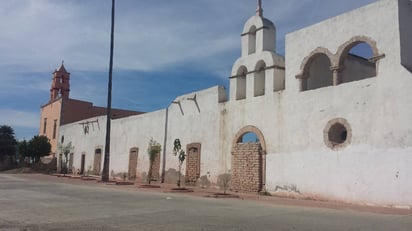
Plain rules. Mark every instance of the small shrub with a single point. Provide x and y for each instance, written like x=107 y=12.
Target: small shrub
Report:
x=224 y=181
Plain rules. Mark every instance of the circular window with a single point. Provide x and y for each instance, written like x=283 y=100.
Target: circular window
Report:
x=337 y=133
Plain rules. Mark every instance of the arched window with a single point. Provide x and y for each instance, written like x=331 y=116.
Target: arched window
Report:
x=241 y=83
x=259 y=79
x=54 y=129
x=248 y=162
x=358 y=62
x=252 y=40
x=44 y=125
x=317 y=72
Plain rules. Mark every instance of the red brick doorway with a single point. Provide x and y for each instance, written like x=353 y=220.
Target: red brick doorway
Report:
x=248 y=161
x=192 y=163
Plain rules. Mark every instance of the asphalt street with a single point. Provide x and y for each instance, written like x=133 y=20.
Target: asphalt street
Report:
x=27 y=204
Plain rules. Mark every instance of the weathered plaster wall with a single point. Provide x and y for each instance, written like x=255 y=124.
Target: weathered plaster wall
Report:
x=370 y=168
x=135 y=131
x=126 y=133
x=197 y=122
x=84 y=143
x=332 y=33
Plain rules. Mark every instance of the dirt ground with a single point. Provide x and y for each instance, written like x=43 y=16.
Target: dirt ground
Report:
x=27 y=173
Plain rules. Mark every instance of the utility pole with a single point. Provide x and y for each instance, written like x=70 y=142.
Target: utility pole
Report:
x=106 y=163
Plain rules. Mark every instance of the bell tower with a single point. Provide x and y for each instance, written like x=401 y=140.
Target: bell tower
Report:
x=60 y=83
x=259 y=34
x=259 y=71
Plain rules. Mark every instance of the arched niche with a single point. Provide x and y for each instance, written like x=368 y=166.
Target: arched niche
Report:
x=241 y=83
x=259 y=78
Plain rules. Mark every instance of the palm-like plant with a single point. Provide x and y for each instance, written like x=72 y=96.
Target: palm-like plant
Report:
x=178 y=151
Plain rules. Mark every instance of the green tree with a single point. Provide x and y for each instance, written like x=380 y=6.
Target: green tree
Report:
x=65 y=150
x=23 y=150
x=153 y=150
x=39 y=146
x=178 y=151
x=7 y=142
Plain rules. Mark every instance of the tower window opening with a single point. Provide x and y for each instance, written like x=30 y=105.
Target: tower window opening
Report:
x=241 y=83
x=252 y=40
x=259 y=79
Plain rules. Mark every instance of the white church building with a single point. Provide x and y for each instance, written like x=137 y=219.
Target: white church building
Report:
x=329 y=124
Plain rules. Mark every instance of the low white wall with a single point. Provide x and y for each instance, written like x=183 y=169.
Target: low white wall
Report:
x=197 y=121
x=361 y=174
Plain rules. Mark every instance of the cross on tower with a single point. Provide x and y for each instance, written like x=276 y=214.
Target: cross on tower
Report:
x=259 y=10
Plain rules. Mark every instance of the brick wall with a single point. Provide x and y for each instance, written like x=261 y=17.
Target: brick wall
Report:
x=247 y=167
x=156 y=167
x=192 y=166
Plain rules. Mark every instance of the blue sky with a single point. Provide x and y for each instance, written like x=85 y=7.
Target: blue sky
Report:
x=162 y=48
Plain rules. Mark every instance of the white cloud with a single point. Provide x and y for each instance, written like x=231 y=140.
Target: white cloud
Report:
x=149 y=34
x=18 y=118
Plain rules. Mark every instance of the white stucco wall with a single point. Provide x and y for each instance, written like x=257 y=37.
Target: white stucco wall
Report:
x=84 y=143
x=135 y=131
x=195 y=125
x=378 y=109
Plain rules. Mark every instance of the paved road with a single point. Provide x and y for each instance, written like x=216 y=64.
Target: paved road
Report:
x=39 y=205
